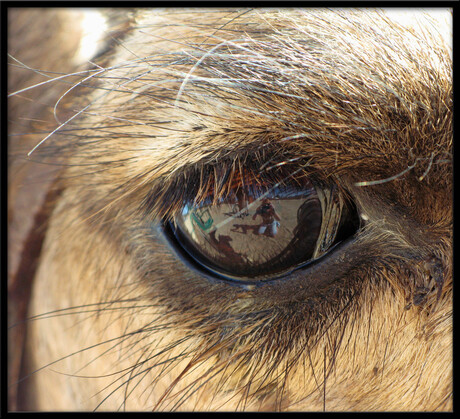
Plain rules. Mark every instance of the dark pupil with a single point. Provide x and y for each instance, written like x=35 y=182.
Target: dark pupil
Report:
x=259 y=231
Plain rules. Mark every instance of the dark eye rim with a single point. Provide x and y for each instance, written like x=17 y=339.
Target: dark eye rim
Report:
x=349 y=226
x=171 y=234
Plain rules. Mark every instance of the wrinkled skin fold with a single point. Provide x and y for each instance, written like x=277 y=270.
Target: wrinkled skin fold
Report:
x=173 y=104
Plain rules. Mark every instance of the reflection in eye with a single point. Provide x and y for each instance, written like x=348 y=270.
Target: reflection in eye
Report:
x=261 y=231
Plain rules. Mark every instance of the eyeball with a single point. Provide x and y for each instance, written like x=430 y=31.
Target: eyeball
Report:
x=263 y=231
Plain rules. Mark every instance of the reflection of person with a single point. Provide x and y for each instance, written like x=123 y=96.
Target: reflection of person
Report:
x=269 y=218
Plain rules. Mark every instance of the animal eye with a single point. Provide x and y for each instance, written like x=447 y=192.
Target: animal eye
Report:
x=261 y=231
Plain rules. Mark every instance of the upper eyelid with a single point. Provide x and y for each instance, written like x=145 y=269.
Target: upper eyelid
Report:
x=191 y=182
x=194 y=183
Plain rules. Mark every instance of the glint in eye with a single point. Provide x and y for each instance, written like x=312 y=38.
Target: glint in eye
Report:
x=263 y=231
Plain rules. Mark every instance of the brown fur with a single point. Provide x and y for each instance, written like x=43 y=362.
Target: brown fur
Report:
x=184 y=100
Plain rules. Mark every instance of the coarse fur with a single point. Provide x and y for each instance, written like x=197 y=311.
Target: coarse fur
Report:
x=178 y=104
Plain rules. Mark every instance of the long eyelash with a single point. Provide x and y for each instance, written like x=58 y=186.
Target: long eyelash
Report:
x=167 y=198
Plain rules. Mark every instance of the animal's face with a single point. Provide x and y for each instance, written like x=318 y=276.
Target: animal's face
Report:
x=340 y=121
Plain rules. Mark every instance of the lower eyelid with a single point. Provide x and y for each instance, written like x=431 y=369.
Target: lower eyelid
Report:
x=309 y=278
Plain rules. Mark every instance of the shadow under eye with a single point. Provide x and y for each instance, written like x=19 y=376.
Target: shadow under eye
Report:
x=261 y=233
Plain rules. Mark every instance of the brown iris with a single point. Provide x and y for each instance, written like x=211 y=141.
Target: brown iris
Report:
x=259 y=231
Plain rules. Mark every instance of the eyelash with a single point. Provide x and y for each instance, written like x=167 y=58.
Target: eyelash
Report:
x=196 y=182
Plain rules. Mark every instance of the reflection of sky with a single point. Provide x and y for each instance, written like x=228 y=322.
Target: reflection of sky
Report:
x=257 y=193
x=289 y=192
